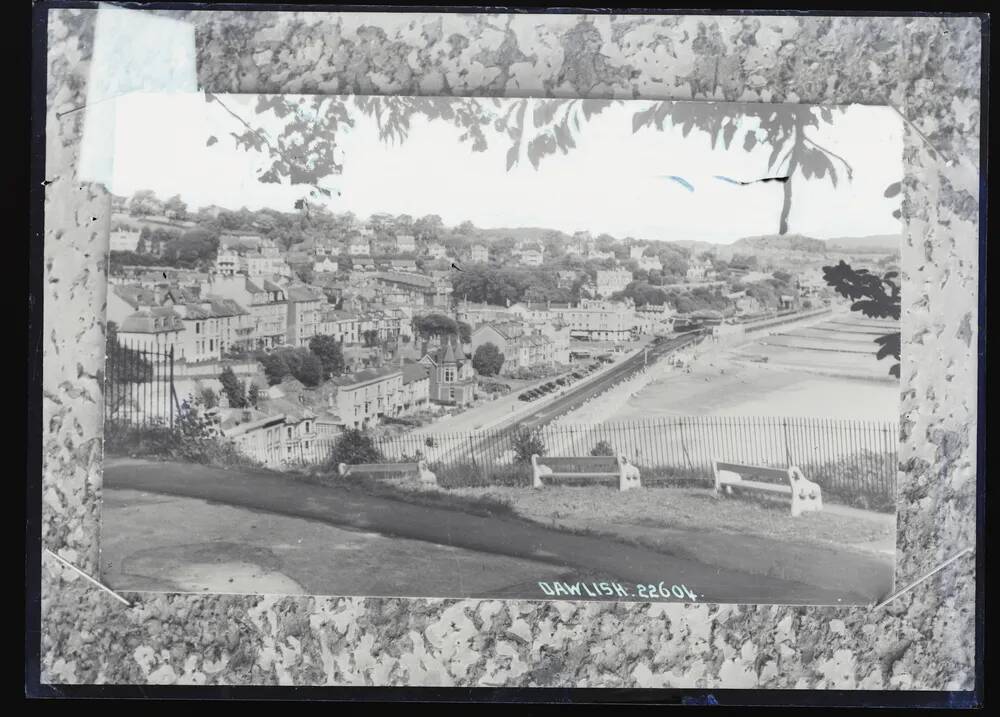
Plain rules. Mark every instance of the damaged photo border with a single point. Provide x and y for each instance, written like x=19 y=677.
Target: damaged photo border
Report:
x=249 y=271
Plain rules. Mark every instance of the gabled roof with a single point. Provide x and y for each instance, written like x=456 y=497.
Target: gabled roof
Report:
x=414 y=372
x=447 y=353
x=507 y=329
x=160 y=319
x=365 y=376
x=136 y=296
x=222 y=306
x=303 y=293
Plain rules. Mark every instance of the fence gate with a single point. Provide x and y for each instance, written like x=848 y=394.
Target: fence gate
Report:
x=139 y=386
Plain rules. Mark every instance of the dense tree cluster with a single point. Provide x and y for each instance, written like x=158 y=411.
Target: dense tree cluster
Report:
x=487 y=360
x=299 y=363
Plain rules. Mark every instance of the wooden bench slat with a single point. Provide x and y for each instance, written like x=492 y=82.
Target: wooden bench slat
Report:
x=399 y=468
x=582 y=475
x=559 y=462
x=806 y=495
x=780 y=473
x=616 y=468
x=757 y=485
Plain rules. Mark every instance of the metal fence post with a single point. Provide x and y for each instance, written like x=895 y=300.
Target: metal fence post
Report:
x=173 y=394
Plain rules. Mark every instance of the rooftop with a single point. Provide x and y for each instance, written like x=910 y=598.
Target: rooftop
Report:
x=159 y=319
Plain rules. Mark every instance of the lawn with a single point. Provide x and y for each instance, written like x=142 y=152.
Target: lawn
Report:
x=642 y=514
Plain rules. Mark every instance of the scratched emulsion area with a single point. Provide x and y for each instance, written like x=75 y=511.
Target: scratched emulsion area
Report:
x=929 y=68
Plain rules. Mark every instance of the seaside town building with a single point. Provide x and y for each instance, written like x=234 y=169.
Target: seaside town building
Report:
x=405 y=244
x=304 y=305
x=157 y=330
x=362 y=399
x=531 y=254
x=341 y=325
x=274 y=439
x=452 y=378
x=435 y=250
x=266 y=302
x=124 y=240
x=479 y=254
x=359 y=247
x=589 y=320
x=611 y=281
x=521 y=348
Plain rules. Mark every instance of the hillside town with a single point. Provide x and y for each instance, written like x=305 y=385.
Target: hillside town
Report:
x=287 y=328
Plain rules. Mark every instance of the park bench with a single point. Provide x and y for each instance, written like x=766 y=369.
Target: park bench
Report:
x=384 y=470
x=590 y=467
x=806 y=495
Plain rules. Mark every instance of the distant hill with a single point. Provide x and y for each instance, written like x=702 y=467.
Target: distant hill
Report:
x=878 y=243
x=798 y=244
x=517 y=233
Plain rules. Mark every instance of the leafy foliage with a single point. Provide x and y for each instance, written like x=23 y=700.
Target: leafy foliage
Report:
x=487 y=360
x=300 y=363
x=303 y=151
x=193 y=438
x=603 y=448
x=876 y=296
x=209 y=398
x=330 y=353
x=354 y=446
x=233 y=388
x=526 y=443
x=434 y=325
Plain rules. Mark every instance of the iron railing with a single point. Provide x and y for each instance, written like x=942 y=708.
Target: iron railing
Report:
x=139 y=386
x=851 y=459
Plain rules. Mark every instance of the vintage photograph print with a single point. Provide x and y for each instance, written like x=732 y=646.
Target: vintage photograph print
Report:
x=503 y=348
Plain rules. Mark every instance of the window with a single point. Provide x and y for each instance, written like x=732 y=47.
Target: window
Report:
x=289 y=433
x=197 y=327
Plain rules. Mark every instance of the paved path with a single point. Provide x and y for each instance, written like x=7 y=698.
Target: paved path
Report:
x=274 y=493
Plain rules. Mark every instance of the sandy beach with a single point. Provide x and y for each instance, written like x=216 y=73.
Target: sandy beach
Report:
x=824 y=370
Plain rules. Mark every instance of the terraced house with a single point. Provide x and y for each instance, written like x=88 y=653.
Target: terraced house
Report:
x=265 y=301
x=211 y=328
x=303 y=320
x=342 y=325
x=521 y=348
x=362 y=399
x=157 y=330
x=275 y=439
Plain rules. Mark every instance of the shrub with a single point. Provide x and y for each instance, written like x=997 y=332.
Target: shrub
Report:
x=209 y=398
x=192 y=438
x=603 y=448
x=233 y=388
x=526 y=443
x=330 y=353
x=354 y=446
x=487 y=360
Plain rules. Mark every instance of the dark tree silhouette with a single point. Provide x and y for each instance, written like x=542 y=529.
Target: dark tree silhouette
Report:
x=233 y=388
x=874 y=295
x=303 y=151
x=487 y=360
x=354 y=446
x=330 y=353
x=526 y=442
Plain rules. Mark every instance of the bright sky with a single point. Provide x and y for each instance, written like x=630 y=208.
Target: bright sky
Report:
x=613 y=181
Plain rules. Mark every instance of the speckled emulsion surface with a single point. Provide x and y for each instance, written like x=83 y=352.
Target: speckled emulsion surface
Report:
x=927 y=68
